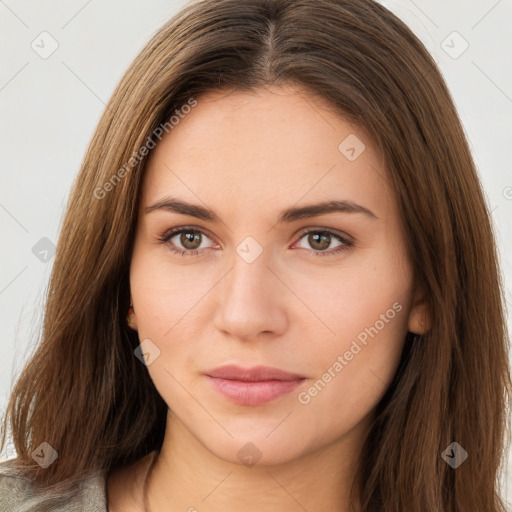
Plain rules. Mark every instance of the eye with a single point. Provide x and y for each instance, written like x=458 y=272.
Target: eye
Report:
x=320 y=240
x=189 y=241
x=192 y=241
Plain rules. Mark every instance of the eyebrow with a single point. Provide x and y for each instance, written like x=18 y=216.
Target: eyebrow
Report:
x=288 y=215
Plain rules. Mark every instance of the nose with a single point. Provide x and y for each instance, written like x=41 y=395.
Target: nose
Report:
x=252 y=301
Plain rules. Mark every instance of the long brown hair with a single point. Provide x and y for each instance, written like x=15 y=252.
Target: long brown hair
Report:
x=85 y=393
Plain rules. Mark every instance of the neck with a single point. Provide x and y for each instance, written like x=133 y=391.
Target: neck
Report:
x=187 y=476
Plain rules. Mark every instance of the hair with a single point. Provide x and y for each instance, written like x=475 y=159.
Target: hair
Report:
x=85 y=393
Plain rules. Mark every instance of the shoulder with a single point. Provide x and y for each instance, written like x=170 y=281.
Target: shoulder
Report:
x=17 y=494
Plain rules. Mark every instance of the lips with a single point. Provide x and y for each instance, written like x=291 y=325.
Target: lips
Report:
x=253 y=386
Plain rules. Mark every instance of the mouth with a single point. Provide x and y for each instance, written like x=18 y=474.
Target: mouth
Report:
x=253 y=386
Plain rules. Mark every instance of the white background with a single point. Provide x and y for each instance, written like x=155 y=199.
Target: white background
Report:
x=50 y=107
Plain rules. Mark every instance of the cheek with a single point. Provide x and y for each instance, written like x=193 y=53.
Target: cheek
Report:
x=167 y=303
x=164 y=294
x=356 y=358
x=373 y=287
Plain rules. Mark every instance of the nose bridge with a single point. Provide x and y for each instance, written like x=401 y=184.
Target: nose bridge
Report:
x=249 y=303
x=250 y=275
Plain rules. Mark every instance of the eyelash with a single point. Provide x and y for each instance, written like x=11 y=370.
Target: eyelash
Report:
x=166 y=237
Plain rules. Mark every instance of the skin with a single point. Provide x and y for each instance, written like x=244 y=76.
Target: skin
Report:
x=247 y=156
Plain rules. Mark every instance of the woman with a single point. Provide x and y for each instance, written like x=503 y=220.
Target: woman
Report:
x=276 y=285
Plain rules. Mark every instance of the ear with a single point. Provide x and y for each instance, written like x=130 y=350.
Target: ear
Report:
x=131 y=318
x=420 y=317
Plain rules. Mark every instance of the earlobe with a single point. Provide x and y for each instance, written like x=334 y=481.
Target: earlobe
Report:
x=419 y=323
x=131 y=319
x=420 y=320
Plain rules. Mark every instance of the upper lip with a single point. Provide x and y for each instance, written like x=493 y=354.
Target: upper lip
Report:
x=254 y=374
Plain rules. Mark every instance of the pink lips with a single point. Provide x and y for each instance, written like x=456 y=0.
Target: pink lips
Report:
x=253 y=386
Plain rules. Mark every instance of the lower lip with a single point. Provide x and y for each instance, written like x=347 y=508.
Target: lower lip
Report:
x=253 y=393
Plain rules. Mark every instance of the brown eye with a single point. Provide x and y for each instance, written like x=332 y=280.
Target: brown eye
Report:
x=190 y=240
x=185 y=241
x=321 y=240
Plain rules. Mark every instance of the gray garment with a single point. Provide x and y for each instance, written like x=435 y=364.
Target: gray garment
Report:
x=17 y=494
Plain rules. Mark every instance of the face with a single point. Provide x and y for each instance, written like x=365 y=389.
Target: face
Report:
x=254 y=274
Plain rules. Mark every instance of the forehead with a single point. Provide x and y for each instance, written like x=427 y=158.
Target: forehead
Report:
x=274 y=145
